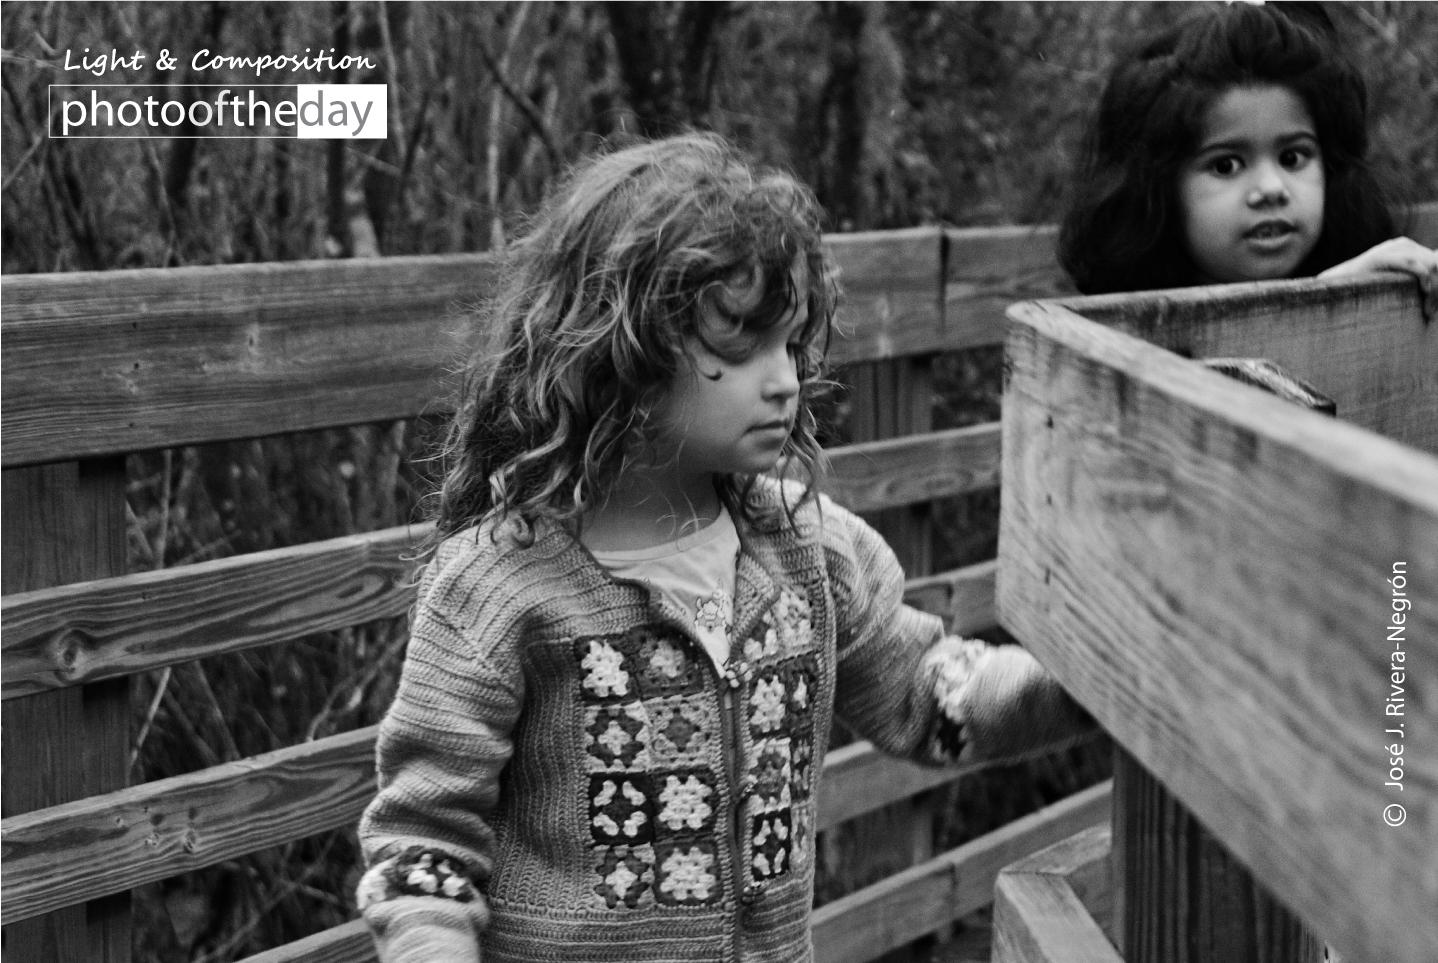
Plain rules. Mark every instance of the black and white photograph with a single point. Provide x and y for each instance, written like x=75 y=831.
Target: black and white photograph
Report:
x=719 y=482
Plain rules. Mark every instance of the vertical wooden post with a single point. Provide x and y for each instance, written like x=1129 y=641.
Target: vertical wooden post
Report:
x=1183 y=896
x=892 y=399
x=65 y=523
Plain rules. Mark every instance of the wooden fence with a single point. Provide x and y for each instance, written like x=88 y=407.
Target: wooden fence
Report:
x=99 y=365
x=1245 y=593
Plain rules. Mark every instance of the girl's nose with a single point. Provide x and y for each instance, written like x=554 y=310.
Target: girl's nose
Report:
x=1269 y=188
x=783 y=377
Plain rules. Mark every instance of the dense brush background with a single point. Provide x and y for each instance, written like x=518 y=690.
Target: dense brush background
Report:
x=897 y=114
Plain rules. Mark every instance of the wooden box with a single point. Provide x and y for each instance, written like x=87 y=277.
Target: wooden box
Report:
x=1242 y=591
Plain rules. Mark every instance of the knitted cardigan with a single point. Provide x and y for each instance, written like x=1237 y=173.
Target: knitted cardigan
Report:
x=565 y=775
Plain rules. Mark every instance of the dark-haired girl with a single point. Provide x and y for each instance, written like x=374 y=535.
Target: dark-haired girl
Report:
x=630 y=643
x=1234 y=147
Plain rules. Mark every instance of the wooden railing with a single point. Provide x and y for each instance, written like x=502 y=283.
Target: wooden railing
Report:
x=99 y=365
x=1245 y=593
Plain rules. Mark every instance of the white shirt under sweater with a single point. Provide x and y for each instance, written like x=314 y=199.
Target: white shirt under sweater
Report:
x=694 y=574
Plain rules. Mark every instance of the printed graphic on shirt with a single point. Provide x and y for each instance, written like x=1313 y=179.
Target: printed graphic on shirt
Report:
x=714 y=620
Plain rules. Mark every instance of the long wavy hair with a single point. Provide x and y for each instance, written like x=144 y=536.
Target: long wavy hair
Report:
x=1124 y=228
x=577 y=351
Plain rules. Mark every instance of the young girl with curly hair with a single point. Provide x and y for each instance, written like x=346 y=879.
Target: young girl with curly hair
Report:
x=629 y=646
x=1234 y=147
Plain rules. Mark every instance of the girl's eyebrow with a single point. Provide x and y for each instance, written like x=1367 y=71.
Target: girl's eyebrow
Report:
x=1238 y=143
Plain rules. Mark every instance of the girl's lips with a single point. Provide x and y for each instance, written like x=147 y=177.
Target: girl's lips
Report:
x=1270 y=236
x=1270 y=230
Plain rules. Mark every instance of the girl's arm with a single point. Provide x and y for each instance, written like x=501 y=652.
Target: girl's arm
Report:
x=426 y=836
x=1403 y=255
x=915 y=692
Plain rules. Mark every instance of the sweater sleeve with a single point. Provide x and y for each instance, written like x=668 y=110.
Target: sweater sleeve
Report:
x=917 y=693
x=426 y=836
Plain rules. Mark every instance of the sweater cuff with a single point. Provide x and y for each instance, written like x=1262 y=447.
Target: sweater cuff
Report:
x=998 y=704
x=426 y=929
x=420 y=910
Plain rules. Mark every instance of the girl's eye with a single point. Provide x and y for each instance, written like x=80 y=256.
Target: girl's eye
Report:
x=1225 y=166
x=1293 y=158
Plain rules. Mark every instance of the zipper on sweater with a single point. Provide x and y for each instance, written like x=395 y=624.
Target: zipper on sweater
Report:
x=731 y=760
x=733 y=679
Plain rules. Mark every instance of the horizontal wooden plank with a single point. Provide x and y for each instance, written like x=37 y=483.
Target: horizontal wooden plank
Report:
x=892 y=303
x=859 y=779
x=1362 y=343
x=347 y=943
x=92 y=847
x=90 y=631
x=1204 y=567
x=1085 y=862
x=989 y=268
x=860 y=926
x=896 y=911
x=917 y=468
x=962 y=597
x=118 y=361
x=1040 y=919
x=67 y=854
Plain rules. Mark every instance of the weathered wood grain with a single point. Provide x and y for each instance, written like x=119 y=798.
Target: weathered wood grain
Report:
x=86 y=632
x=1182 y=890
x=860 y=926
x=99 y=630
x=347 y=943
x=1085 y=862
x=989 y=268
x=107 y=843
x=909 y=904
x=962 y=597
x=1203 y=566
x=120 y=361
x=1038 y=918
x=859 y=779
x=892 y=304
x=64 y=522
x=1362 y=343
x=104 y=844
x=904 y=471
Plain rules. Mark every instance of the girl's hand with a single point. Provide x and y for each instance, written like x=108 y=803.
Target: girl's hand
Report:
x=1399 y=254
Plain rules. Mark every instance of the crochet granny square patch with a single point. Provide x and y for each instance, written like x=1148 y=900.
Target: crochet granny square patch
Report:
x=686 y=873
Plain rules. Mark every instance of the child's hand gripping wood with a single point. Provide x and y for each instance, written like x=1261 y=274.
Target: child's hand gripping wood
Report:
x=998 y=704
x=1403 y=256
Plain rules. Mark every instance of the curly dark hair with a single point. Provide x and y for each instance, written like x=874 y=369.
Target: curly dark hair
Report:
x=1123 y=230
x=577 y=351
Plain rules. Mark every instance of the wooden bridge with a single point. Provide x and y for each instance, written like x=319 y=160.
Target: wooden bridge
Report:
x=1201 y=565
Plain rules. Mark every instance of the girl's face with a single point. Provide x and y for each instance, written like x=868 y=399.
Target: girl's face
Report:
x=734 y=417
x=1252 y=196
